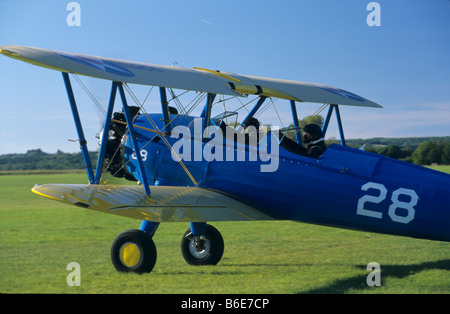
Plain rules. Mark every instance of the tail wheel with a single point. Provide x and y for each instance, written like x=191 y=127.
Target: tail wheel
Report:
x=205 y=249
x=133 y=251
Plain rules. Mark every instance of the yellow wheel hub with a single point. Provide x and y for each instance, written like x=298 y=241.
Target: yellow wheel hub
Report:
x=130 y=255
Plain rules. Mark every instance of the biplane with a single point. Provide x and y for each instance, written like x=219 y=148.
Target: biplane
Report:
x=188 y=170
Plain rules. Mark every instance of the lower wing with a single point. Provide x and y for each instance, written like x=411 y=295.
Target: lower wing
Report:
x=165 y=204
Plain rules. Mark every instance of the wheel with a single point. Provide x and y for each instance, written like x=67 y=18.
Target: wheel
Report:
x=133 y=251
x=206 y=249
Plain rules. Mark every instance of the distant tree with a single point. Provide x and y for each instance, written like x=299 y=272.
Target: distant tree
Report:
x=428 y=153
x=396 y=152
x=35 y=152
x=312 y=119
x=445 y=157
x=392 y=151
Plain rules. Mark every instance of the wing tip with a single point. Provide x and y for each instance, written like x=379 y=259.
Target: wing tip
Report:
x=374 y=105
x=7 y=52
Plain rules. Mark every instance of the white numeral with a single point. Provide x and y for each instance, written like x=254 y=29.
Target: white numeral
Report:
x=397 y=206
x=371 y=199
x=143 y=155
x=409 y=206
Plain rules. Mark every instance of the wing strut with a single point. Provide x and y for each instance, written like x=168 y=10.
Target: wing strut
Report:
x=206 y=113
x=254 y=110
x=81 y=138
x=296 y=123
x=137 y=151
x=105 y=136
x=95 y=179
x=165 y=110
x=339 y=122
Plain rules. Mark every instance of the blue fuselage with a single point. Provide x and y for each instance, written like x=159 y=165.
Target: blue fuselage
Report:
x=346 y=187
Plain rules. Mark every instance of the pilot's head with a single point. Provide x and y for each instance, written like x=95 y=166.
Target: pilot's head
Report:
x=251 y=121
x=312 y=132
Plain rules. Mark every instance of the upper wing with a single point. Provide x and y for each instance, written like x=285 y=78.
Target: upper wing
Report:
x=165 y=204
x=306 y=92
x=119 y=70
x=196 y=79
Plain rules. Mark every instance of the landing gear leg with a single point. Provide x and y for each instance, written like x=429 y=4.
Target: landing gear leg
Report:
x=202 y=244
x=134 y=250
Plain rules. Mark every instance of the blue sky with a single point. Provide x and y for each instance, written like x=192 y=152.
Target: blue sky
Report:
x=404 y=64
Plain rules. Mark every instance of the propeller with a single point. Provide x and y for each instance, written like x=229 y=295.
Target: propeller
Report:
x=114 y=155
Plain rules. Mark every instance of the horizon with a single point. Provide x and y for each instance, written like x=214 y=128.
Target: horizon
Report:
x=326 y=139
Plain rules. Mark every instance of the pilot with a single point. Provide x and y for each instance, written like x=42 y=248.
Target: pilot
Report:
x=173 y=110
x=251 y=121
x=312 y=137
x=251 y=129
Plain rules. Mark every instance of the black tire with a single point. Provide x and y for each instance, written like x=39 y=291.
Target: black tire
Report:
x=133 y=251
x=203 y=250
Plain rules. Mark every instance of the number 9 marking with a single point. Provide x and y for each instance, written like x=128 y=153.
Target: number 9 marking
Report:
x=143 y=155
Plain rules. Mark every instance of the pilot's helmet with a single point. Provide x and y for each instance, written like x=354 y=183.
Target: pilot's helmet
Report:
x=314 y=130
x=251 y=121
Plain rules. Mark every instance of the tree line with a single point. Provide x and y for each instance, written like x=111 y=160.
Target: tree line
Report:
x=427 y=153
x=36 y=159
x=418 y=150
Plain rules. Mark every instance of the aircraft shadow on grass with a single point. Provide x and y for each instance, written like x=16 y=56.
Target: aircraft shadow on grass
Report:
x=387 y=271
x=357 y=283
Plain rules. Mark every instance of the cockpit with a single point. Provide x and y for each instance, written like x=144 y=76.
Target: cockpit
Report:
x=290 y=138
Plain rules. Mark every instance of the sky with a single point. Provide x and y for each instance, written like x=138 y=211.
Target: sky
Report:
x=402 y=64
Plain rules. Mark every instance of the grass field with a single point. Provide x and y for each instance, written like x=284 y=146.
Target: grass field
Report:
x=40 y=237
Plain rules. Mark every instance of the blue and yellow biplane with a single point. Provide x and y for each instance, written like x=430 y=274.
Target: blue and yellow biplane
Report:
x=201 y=169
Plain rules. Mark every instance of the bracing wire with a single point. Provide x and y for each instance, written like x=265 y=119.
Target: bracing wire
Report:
x=155 y=127
x=316 y=113
x=94 y=100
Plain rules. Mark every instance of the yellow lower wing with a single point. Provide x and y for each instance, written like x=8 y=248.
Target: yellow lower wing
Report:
x=166 y=203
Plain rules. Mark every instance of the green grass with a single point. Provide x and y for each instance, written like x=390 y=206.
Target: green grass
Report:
x=39 y=237
x=441 y=168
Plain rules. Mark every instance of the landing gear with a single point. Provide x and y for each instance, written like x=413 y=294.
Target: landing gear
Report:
x=133 y=251
x=204 y=249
